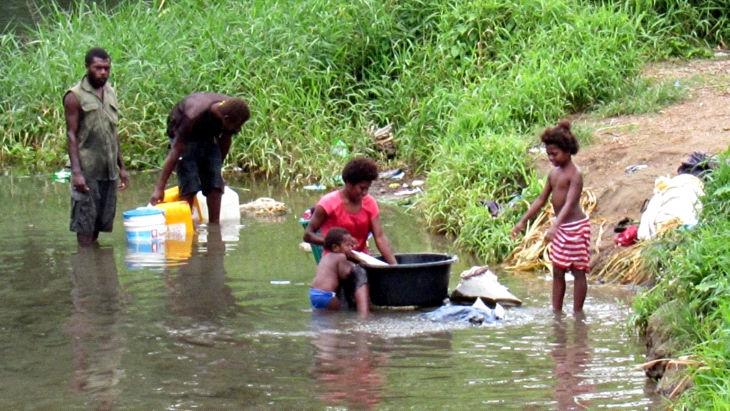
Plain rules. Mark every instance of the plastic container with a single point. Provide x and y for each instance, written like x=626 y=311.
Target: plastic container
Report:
x=172 y=194
x=317 y=250
x=230 y=207
x=145 y=255
x=178 y=250
x=144 y=225
x=178 y=217
x=418 y=279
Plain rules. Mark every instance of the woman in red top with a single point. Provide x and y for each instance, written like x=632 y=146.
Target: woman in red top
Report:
x=351 y=208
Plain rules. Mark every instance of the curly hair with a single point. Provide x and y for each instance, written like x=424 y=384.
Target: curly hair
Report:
x=360 y=169
x=561 y=136
x=335 y=236
x=96 y=52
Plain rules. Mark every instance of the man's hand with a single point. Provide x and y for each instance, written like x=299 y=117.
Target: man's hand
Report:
x=123 y=179
x=157 y=196
x=79 y=183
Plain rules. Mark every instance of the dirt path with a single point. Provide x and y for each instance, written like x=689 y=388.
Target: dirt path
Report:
x=661 y=140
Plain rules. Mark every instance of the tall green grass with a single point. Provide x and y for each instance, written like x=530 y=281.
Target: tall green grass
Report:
x=684 y=28
x=464 y=83
x=694 y=273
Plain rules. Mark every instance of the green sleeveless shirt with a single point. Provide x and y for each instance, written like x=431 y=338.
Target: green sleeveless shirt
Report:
x=97 y=134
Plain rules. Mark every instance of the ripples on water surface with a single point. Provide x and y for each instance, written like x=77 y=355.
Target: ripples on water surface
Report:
x=224 y=322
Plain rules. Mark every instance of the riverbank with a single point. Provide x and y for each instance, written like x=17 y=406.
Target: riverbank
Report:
x=466 y=85
x=684 y=315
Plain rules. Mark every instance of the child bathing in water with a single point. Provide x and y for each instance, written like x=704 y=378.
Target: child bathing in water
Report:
x=333 y=268
x=570 y=233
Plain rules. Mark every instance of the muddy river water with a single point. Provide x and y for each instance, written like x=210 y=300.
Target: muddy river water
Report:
x=224 y=322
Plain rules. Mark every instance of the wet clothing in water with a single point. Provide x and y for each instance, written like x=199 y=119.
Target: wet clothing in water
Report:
x=570 y=248
x=357 y=224
x=320 y=298
x=94 y=210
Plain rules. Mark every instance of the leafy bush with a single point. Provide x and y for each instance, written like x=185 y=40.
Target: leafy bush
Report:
x=694 y=269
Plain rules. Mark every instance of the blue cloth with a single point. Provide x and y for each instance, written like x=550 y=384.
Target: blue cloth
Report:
x=461 y=313
x=320 y=298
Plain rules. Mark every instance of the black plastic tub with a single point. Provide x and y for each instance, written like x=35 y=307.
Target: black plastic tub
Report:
x=418 y=280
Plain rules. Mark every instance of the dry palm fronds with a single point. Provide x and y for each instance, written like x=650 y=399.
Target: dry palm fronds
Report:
x=532 y=252
x=625 y=266
x=685 y=360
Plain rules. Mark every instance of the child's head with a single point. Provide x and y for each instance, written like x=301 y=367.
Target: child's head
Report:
x=338 y=240
x=561 y=137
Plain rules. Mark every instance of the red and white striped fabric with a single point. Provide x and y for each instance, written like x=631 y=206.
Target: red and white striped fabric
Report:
x=570 y=248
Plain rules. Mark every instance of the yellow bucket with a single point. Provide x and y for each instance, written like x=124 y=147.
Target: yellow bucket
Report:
x=179 y=249
x=178 y=217
x=172 y=194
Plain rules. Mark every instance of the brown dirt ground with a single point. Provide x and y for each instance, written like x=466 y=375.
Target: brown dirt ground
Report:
x=660 y=140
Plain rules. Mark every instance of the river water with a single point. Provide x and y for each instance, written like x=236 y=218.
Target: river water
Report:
x=224 y=322
x=16 y=14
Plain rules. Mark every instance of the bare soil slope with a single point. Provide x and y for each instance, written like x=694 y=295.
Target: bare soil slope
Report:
x=660 y=141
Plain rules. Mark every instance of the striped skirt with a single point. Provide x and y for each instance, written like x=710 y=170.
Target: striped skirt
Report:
x=570 y=248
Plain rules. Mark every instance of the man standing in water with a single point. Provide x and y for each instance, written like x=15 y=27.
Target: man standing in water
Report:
x=97 y=168
x=200 y=128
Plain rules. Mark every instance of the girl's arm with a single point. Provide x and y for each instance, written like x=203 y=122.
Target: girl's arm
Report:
x=534 y=208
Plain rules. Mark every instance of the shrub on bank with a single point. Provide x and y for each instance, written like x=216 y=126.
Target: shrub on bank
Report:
x=693 y=268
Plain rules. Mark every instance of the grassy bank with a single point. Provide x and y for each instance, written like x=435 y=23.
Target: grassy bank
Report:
x=693 y=269
x=452 y=77
x=467 y=85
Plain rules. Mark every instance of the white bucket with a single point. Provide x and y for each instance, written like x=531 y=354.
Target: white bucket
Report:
x=144 y=225
x=230 y=207
x=145 y=255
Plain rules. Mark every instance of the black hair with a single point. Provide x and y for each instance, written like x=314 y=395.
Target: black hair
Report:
x=235 y=109
x=360 y=169
x=96 y=52
x=561 y=136
x=335 y=236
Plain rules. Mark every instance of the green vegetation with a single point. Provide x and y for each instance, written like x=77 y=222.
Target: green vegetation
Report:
x=694 y=275
x=467 y=85
x=684 y=28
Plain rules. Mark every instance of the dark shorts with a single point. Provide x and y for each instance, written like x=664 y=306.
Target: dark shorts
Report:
x=199 y=168
x=94 y=210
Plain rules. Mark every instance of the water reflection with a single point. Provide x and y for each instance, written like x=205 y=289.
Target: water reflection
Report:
x=571 y=360
x=346 y=370
x=97 y=340
x=197 y=288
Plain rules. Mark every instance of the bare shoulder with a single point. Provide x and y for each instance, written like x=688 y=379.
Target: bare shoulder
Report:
x=575 y=172
x=70 y=100
x=332 y=259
